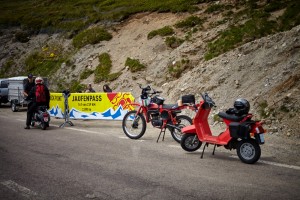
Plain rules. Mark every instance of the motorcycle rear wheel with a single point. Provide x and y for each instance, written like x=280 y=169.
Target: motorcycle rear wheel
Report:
x=183 y=121
x=43 y=125
x=248 y=151
x=190 y=142
x=134 y=126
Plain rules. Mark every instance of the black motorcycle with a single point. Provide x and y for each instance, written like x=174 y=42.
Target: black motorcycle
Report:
x=41 y=117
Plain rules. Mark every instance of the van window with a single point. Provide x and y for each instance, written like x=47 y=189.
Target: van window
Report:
x=4 y=84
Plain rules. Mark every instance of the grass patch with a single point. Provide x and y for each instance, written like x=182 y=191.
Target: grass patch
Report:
x=91 y=36
x=113 y=76
x=176 y=69
x=262 y=109
x=189 y=22
x=86 y=73
x=45 y=61
x=134 y=65
x=103 y=69
x=5 y=68
x=76 y=86
x=56 y=16
x=165 y=31
x=238 y=35
x=173 y=42
x=291 y=17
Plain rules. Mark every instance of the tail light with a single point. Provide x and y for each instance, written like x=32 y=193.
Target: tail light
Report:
x=45 y=116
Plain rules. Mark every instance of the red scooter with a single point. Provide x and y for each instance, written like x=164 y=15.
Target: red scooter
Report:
x=151 y=108
x=242 y=133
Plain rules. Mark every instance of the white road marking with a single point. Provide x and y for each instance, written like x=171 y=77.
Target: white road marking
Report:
x=18 y=188
x=123 y=137
x=126 y=138
x=83 y=130
x=174 y=146
x=275 y=164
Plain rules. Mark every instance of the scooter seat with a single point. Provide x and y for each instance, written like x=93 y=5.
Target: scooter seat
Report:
x=231 y=117
x=170 y=106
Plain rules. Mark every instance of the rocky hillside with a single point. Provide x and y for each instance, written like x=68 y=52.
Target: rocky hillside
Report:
x=265 y=71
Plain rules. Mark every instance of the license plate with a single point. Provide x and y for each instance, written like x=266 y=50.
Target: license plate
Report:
x=262 y=138
x=45 y=119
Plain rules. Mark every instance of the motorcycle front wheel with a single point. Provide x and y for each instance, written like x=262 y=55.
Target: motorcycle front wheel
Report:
x=248 y=151
x=182 y=121
x=134 y=125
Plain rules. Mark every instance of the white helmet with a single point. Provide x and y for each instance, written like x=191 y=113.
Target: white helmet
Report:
x=39 y=80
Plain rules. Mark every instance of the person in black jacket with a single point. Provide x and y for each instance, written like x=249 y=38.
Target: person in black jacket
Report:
x=39 y=95
x=29 y=85
x=106 y=88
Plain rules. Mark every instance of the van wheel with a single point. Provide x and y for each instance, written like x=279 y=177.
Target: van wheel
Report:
x=14 y=107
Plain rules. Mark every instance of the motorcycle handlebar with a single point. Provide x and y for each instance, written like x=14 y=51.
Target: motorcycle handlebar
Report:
x=208 y=99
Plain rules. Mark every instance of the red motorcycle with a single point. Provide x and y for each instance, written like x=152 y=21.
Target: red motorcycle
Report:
x=151 y=108
x=242 y=133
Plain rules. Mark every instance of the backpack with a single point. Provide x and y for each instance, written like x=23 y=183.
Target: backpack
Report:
x=40 y=93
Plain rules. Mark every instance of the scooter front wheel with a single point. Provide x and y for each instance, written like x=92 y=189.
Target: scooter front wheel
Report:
x=134 y=125
x=248 y=151
x=190 y=142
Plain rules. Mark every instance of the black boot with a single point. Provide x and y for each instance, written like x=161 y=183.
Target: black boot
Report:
x=27 y=127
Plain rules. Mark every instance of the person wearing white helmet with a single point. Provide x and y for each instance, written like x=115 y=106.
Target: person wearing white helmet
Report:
x=39 y=95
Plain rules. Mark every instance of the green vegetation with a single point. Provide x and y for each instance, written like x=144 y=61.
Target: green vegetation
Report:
x=91 y=36
x=173 y=42
x=176 y=69
x=134 y=65
x=46 y=61
x=189 y=22
x=103 y=69
x=86 y=73
x=218 y=8
x=262 y=109
x=73 y=16
x=6 y=67
x=76 y=86
x=258 y=25
x=165 y=31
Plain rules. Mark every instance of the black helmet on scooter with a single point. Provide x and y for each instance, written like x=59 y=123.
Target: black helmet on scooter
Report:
x=242 y=106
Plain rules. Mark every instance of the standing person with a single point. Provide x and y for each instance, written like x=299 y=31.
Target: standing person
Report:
x=29 y=85
x=106 y=88
x=90 y=88
x=39 y=95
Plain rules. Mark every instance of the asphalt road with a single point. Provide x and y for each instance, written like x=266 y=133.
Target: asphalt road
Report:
x=95 y=160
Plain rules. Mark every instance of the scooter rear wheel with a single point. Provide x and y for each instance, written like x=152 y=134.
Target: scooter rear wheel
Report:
x=190 y=142
x=248 y=151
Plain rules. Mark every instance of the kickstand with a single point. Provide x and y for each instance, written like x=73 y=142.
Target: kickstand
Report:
x=213 y=153
x=206 y=145
x=163 y=130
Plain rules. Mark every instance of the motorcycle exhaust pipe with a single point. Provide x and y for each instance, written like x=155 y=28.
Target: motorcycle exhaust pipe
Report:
x=172 y=126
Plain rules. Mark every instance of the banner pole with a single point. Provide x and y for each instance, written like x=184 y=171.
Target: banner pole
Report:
x=66 y=95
